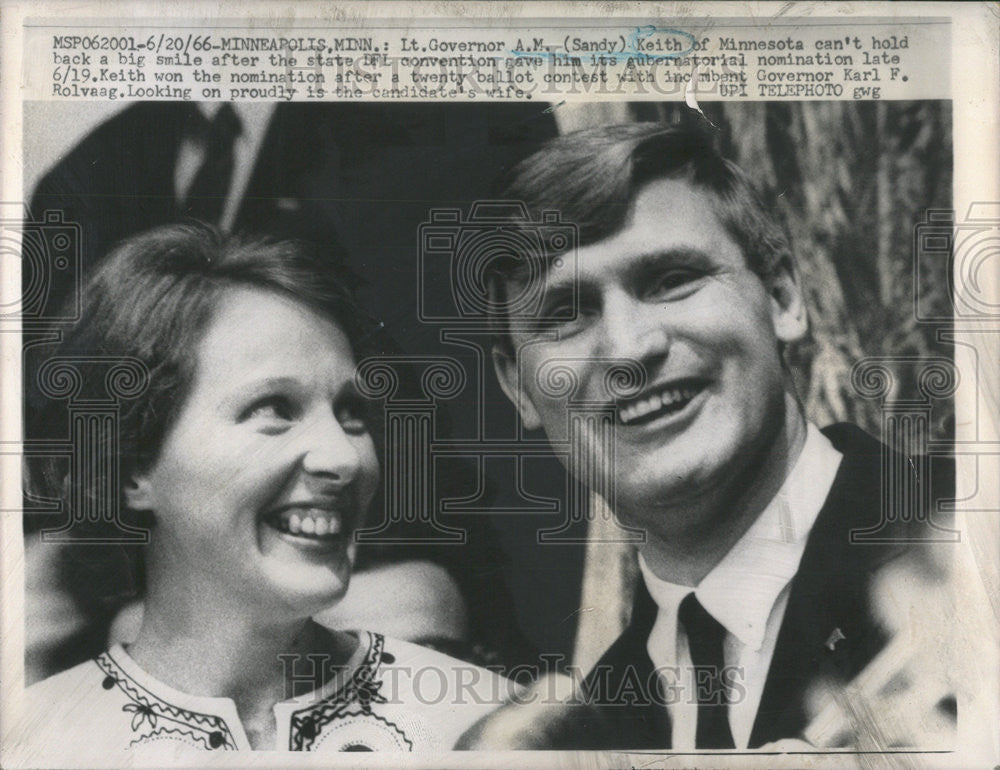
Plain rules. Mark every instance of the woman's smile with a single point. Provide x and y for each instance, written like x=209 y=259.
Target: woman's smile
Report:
x=272 y=443
x=312 y=523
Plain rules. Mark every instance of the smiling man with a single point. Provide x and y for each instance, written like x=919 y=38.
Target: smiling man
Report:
x=752 y=590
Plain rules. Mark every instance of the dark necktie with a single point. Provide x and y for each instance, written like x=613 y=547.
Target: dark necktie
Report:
x=207 y=194
x=705 y=641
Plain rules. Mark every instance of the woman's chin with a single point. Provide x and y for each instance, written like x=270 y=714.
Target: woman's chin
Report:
x=308 y=594
x=309 y=573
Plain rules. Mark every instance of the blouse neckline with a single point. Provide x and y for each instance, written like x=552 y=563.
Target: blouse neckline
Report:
x=214 y=720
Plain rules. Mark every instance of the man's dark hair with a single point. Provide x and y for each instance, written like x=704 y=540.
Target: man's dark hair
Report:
x=592 y=177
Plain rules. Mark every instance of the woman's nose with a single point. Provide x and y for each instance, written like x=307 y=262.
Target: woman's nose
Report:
x=329 y=450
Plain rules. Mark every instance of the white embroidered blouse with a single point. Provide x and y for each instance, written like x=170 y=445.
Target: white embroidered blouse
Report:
x=392 y=696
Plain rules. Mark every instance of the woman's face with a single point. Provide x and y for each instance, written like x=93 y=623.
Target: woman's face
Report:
x=269 y=466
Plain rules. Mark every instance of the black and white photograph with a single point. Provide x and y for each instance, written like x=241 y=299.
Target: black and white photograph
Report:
x=551 y=389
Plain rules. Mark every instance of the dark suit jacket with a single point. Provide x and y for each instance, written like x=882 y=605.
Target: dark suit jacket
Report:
x=361 y=174
x=829 y=591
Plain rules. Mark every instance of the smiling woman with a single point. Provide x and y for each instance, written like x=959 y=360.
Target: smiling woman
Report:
x=251 y=461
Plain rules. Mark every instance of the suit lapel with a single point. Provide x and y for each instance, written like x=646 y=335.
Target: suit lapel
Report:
x=828 y=630
x=621 y=684
x=278 y=161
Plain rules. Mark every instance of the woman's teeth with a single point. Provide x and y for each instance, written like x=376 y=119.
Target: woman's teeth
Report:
x=315 y=524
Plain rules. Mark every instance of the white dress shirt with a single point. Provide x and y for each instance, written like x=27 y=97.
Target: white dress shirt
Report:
x=746 y=593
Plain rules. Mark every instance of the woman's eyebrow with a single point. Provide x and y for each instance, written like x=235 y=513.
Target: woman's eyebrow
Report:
x=347 y=389
x=249 y=389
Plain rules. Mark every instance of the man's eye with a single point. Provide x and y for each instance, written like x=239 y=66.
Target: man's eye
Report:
x=568 y=316
x=269 y=409
x=561 y=310
x=673 y=281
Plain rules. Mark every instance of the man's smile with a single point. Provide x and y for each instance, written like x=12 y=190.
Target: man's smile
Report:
x=663 y=400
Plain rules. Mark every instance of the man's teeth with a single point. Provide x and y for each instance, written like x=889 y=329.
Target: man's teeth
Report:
x=666 y=398
x=315 y=524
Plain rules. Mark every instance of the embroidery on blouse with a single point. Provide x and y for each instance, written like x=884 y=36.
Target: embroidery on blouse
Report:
x=154 y=718
x=354 y=699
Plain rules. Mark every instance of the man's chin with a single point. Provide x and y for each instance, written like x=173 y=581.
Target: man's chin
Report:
x=658 y=477
x=651 y=488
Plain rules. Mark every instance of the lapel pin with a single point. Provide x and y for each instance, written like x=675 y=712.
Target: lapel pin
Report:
x=835 y=636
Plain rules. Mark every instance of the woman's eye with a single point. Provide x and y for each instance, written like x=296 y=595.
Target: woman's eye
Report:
x=352 y=417
x=270 y=409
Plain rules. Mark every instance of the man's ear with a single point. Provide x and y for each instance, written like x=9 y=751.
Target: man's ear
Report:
x=788 y=309
x=505 y=365
x=139 y=493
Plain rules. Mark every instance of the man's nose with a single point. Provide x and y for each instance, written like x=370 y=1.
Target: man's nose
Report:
x=633 y=329
x=328 y=450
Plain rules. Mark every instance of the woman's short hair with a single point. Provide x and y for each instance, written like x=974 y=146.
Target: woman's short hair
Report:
x=591 y=178
x=152 y=299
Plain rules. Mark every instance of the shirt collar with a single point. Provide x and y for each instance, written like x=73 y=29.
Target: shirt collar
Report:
x=764 y=561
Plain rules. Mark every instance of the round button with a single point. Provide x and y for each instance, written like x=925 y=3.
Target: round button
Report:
x=108 y=683
x=215 y=739
x=388 y=658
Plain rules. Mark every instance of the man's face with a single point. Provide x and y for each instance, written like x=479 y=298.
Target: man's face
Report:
x=672 y=291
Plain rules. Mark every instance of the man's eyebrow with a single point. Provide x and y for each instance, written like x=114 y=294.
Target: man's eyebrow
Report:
x=637 y=266
x=658 y=258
